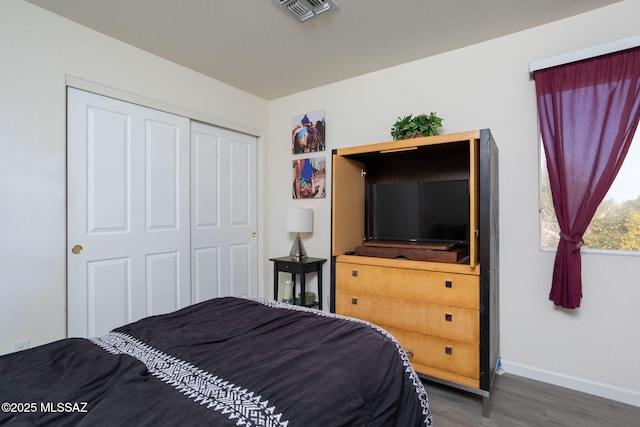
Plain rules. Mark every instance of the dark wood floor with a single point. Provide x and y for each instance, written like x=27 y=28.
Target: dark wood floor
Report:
x=518 y=401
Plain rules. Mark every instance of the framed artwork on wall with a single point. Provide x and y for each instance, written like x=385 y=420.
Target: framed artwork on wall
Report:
x=308 y=132
x=309 y=178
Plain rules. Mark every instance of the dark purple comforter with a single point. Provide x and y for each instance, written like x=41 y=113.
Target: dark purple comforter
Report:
x=226 y=361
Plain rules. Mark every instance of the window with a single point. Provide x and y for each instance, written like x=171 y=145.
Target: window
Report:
x=588 y=111
x=616 y=223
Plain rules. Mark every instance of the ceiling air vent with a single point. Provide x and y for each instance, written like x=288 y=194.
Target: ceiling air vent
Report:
x=305 y=9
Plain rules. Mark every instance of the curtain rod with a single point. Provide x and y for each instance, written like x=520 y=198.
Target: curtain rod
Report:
x=579 y=55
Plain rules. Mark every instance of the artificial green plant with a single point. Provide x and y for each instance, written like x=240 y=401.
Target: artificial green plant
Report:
x=415 y=127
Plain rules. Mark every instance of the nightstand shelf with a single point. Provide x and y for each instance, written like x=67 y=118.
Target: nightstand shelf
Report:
x=298 y=266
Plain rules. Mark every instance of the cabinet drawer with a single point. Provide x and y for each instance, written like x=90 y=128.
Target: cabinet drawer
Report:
x=460 y=324
x=440 y=353
x=454 y=289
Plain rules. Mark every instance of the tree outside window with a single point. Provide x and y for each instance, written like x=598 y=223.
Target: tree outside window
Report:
x=616 y=223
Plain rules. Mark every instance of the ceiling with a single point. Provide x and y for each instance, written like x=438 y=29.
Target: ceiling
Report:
x=257 y=47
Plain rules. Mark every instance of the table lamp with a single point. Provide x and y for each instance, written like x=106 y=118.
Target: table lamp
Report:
x=298 y=221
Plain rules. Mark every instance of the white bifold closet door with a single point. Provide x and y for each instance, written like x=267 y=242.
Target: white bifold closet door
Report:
x=224 y=212
x=131 y=214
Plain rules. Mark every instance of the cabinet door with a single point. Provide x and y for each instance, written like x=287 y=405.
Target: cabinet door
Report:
x=348 y=205
x=474 y=202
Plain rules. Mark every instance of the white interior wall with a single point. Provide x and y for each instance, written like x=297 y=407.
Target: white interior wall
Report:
x=488 y=86
x=39 y=51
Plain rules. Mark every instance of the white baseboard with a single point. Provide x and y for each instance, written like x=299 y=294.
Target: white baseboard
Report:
x=608 y=391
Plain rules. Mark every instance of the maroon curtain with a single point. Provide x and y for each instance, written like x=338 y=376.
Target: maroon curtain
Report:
x=588 y=114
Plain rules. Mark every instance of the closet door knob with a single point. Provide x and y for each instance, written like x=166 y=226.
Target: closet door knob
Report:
x=76 y=250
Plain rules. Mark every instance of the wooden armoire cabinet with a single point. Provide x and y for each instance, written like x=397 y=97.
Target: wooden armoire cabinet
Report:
x=438 y=297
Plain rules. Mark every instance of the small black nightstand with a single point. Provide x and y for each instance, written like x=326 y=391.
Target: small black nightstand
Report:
x=301 y=266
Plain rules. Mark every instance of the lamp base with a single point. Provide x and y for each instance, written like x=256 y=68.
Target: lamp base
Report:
x=297 y=250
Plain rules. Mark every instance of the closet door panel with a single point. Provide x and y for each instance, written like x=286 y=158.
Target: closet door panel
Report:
x=128 y=199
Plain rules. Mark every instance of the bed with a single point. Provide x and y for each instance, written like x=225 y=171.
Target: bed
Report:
x=226 y=361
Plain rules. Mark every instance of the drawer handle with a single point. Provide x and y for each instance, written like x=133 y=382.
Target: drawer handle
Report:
x=409 y=353
x=448 y=350
x=448 y=317
x=354 y=273
x=354 y=301
x=448 y=284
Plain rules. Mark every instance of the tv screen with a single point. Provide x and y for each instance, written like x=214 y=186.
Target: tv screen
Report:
x=428 y=212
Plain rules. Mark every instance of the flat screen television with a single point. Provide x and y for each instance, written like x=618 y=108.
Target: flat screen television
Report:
x=421 y=212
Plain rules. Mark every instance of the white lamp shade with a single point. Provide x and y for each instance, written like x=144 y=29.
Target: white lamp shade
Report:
x=299 y=220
